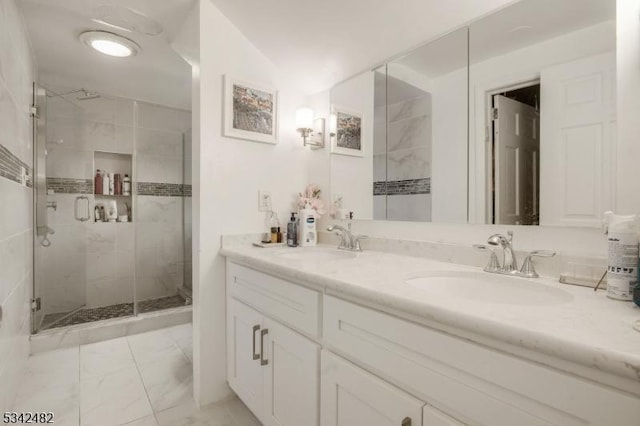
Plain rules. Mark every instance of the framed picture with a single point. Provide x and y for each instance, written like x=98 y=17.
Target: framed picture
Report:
x=346 y=138
x=250 y=111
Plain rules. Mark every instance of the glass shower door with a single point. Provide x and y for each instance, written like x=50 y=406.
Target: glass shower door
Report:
x=62 y=207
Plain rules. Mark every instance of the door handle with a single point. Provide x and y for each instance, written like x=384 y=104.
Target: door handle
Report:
x=262 y=334
x=406 y=422
x=88 y=215
x=255 y=355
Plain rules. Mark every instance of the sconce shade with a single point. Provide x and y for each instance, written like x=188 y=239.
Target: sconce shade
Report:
x=304 y=118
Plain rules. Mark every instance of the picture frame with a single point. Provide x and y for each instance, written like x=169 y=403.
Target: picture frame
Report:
x=347 y=131
x=250 y=111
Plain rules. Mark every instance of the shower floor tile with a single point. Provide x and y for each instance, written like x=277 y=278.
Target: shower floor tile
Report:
x=88 y=315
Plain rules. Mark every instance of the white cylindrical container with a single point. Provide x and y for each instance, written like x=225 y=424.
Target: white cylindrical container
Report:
x=622 y=265
x=105 y=183
x=308 y=232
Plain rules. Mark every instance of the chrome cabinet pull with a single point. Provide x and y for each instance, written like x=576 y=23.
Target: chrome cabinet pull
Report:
x=255 y=355
x=262 y=334
x=406 y=422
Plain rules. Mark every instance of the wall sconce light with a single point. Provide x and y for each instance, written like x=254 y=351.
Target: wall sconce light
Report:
x=312 y=131
x=333 y=125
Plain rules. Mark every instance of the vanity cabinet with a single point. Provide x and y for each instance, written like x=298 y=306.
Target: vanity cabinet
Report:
x=299 y=357
x=273 y=369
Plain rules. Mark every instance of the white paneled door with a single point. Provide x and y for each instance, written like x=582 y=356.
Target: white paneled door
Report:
x=577 y=141
x=516 y=145
x=244 y=370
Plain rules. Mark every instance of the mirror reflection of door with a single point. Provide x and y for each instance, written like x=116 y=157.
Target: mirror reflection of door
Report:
x=516 y=153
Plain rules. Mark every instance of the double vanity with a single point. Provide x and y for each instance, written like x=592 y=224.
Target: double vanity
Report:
x=320 y=336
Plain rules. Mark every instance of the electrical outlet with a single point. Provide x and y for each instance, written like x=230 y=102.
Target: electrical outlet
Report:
x=264 y=201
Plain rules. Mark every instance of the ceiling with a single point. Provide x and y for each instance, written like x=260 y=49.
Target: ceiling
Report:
x=157 y=74
x=515 y=27
x=319 y=43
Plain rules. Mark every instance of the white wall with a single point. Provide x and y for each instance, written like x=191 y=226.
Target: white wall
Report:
x=449 y=148
x=17 y=72
x=352 y=177
x=628 y=88
x=227 y=175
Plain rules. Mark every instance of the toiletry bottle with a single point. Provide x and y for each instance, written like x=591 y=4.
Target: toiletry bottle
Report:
x=274 y=225
x=308 y=233
x=96 y=213
x=279 y=239
x=622 y=267
x=117 y=184
x=292 y=231
x=103 y=216
x=111 y=185
x=105 y=183
x=126 y=185
x=97 y=183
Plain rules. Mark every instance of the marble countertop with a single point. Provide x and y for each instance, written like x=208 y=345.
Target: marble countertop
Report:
x=587 y=328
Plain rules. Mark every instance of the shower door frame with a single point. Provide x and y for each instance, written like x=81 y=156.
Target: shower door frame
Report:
x=39 y=126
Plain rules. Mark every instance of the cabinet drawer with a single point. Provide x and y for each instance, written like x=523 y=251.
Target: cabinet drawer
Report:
x=289 y=303
x=475 y=384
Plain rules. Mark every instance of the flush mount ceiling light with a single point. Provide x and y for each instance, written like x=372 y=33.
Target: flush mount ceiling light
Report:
x=109 y=43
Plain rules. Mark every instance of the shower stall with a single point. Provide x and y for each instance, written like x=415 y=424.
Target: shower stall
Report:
x=102 y=252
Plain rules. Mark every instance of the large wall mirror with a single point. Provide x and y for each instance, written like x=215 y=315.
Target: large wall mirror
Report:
x=510 y=120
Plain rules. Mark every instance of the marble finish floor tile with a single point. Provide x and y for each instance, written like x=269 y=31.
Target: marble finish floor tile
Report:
x=106 y=357
x=145 y=421
x=154 y=346
x=113 y=399
x=189 y=415
x=140 y=380
x=168 y=383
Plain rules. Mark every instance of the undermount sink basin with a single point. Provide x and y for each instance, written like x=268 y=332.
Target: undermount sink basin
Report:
x=314 y=254
x=486 y=287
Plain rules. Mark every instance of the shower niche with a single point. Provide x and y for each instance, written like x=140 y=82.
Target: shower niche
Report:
x=112 y=187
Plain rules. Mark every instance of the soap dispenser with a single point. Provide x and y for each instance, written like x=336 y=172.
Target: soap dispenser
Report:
x=292 y=231
x=308 y=232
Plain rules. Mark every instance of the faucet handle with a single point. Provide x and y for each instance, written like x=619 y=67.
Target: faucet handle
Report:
x=356 y=242
x=494 y=264
x=528 y=270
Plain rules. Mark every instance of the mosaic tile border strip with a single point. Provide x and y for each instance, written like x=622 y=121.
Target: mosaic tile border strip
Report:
x=85 y=186
x=403 y=187
x=163 y=189
x=11 y=167
x=70 y=185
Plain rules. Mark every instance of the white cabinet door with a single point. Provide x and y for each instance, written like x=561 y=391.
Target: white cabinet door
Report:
x=291 y=382
x=351 y=396
x=244 y=372
x=434 y=417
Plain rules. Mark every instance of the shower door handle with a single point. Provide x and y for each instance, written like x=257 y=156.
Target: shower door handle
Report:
x=86 y=217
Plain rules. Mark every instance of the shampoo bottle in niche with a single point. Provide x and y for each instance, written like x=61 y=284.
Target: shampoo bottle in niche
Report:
x=292 y=231
x=308 y=233
x=622 y=265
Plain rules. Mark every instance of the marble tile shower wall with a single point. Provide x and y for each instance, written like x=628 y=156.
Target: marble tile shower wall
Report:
x=94 y=264
x=160 y=219
x=405 y=163
x=17 y=72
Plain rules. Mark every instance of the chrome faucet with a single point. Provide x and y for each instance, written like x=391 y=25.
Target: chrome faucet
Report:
x=348 y=241
x=509 y=264
x=509 y=261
